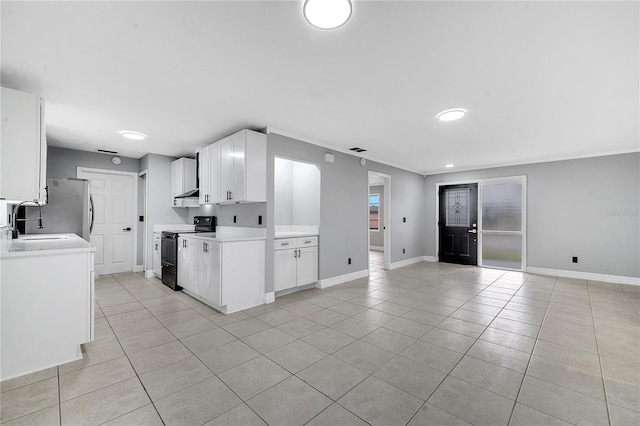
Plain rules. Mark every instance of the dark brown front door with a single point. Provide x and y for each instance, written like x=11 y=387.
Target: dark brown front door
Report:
x=458 y=224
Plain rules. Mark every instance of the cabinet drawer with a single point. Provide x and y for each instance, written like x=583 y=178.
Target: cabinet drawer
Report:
x=284 y=244
x=307 y=242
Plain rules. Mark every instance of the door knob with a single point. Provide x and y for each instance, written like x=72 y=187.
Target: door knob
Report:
x=126 y=229
x=473 y=231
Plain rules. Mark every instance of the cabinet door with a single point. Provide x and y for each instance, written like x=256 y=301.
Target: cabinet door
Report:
x=284 y=273
x=307 y=268
x=211 y=288
x=238 y=158
x=22 y=147
x=157 y=265
x=225 y=169
x=186 y=265
x=176 y=178
x=214 y=191
x=204 y=175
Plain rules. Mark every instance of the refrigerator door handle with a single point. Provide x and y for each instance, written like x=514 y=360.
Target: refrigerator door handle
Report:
x=92 y=214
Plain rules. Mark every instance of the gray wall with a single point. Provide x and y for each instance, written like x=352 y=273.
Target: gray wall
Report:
x=63 y=162
x=585 y=207
x=159 y=210
x=344 y=205
x=376 y=238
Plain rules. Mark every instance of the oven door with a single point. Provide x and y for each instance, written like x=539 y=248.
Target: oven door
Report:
x=168 y=257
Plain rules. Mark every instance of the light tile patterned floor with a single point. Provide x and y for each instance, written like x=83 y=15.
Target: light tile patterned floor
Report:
x=421 y=345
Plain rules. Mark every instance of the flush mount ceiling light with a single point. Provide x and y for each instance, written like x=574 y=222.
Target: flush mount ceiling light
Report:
x=448 y=166
x=327 y=14
x=136 y=136
x=452 y=114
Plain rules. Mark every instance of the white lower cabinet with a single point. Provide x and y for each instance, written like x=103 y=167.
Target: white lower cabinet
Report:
x=157 y=260
x=228 y=275
x=295 y=262
x=186 y=265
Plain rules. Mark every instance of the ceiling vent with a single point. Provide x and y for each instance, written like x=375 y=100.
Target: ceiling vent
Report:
x=356 y=149
x=107 y=152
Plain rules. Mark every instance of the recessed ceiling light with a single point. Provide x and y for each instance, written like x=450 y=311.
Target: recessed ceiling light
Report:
x=452 y=114
x=327 y=14
x=136 y=136
x=448 y=166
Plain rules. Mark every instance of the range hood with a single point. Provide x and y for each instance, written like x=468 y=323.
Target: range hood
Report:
x=194 y=193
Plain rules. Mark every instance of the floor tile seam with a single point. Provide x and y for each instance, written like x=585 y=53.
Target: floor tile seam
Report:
x=564 y=387
x=59 y=397
x=604 y=386
x=137 y=376
x=311 y=419
x=542 y=411
x=37 y=411
x=532 y=352
x=32 y=383
x=368 y=375
x=424 y=365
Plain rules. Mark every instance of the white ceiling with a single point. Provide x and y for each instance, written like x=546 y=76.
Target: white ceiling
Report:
x=541 y=80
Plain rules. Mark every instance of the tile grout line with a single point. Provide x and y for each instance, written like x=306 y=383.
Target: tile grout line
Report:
x=595 y=333
x=531 y=356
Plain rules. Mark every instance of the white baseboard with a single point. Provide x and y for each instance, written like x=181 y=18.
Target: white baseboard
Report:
x=376 y=248
x=407 y=262
x=149 y=273
x=430 y=258
x=138 y=268
x=617 y=279
x=341 y=279
x=270 y=297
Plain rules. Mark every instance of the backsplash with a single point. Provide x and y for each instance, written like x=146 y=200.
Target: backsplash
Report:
x=246 y=215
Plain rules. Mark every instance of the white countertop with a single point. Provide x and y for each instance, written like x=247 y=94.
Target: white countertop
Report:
x=173 y=227
x=43 y=244
x=231 y=233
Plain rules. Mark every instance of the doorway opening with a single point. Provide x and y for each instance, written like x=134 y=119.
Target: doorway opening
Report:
x=483 y=223
x=379 y=220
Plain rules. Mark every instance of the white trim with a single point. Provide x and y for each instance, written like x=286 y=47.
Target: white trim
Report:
x=591 y=276
x=341 y=279
x=376 y=248
x=430 y=258
x=538 y=161
x=292 y=135
x=407 y=262
x=269 y=297
x=145 y=248
x=138 y=268
x=134 y=177
x=149 y=273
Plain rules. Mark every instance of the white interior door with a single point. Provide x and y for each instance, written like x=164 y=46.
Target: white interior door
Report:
x=114 y=220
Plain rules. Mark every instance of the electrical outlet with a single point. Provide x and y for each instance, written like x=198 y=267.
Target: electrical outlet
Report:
x=404 y=220
x=260 y=220
x=141 y=219
x=575 y=259
x=349 y=261
x=403 y=251
x=234 y=218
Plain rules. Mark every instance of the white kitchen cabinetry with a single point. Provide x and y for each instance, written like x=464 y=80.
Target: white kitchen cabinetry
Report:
x=243 y=168
x=208 y=158
x=235 y=169
x=157 y=261
x=183 y=179
x=227 y=275
x=295 y=262
x=23 y=149
x=187 y=247
x=44 y=318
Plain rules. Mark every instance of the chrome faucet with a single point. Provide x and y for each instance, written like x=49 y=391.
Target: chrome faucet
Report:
x=15 y=220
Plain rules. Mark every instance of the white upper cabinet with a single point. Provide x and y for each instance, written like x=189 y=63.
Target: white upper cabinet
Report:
x=237 y=169
x=183 y=176
x=208 y=158
x=23 y=151
x=183 y=179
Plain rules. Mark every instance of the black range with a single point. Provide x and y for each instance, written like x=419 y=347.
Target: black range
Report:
x=169 y=249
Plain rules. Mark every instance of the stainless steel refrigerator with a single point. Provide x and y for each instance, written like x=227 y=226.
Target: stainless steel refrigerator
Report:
x=69 y=209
